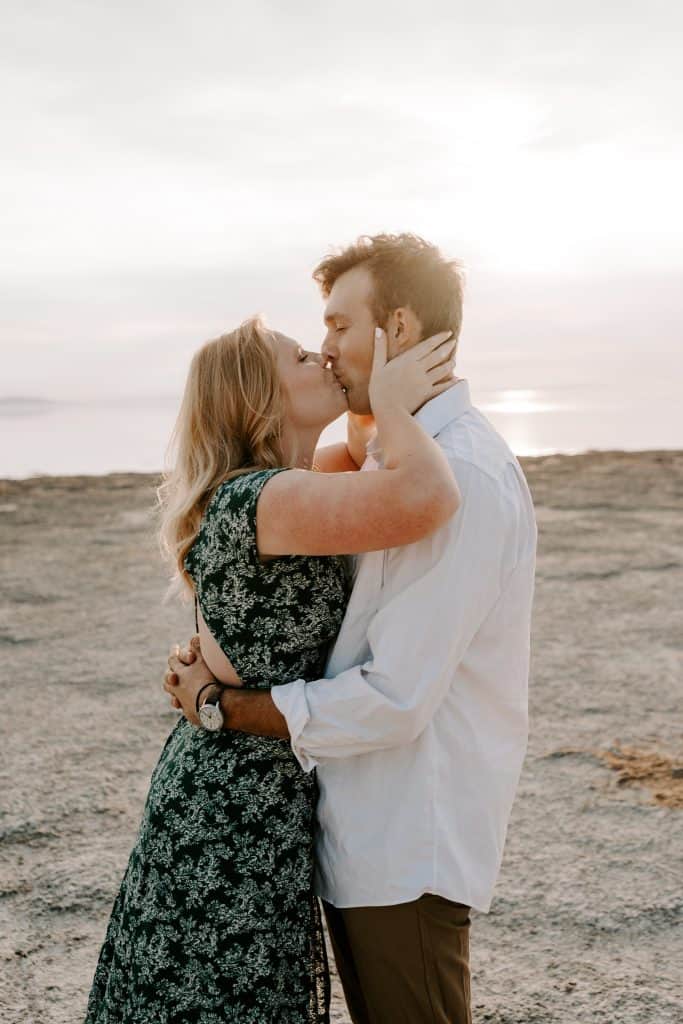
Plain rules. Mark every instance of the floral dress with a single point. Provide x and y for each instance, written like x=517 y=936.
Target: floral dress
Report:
x=215 y=920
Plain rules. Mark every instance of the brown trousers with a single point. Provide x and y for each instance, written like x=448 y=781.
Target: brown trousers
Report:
x=406 y=964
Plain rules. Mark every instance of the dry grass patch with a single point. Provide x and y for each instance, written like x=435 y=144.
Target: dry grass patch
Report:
x=660 y=773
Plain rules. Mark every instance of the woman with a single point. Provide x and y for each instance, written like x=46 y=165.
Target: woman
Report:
x=215 y=920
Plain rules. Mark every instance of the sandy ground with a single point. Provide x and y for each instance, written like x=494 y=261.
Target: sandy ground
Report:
x=587 y=923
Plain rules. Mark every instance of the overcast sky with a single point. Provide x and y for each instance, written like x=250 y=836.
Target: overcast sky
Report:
x=169 y=168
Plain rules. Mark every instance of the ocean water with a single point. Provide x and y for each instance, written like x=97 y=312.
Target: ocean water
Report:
x=69 y=437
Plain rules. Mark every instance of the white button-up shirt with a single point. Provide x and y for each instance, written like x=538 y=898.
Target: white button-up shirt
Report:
x=419 y=729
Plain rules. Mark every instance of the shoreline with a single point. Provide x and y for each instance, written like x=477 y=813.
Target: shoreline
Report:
x=525 y=460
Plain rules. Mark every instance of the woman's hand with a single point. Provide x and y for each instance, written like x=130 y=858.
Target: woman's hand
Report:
x=187 y=674
x=413 y=377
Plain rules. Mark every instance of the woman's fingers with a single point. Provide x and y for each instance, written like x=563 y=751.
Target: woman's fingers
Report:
x=436 y=344
x=170 y=680
x=185 y=655
x=379 y=357
x=438 y=371
x=441 y=354
x=438 y=388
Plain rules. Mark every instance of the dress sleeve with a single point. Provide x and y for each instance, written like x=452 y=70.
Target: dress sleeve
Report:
x=234 y=511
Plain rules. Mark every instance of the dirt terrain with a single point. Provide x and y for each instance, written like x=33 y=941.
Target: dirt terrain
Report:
x=587 y=922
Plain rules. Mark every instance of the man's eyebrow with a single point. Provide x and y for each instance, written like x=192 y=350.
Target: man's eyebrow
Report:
x=331 y=317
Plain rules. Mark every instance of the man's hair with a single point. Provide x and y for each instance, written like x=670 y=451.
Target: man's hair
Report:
x=406 y=271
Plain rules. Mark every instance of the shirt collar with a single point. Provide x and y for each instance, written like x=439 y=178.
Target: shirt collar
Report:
x=448 y=406
x=437 y=412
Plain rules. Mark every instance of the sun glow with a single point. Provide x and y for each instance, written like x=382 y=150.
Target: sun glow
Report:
x=518 y=401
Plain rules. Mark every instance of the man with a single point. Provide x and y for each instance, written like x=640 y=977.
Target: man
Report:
x=418 y=731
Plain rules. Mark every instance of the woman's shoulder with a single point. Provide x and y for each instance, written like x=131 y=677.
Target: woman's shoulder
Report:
x=241 y=492
x=245 y=484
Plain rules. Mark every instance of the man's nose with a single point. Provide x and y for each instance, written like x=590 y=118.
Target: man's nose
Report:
x=328 y=352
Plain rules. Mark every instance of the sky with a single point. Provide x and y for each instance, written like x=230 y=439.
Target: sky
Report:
x=168 y=169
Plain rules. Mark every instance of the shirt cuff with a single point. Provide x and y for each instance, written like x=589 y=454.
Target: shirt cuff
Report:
x=290 y=700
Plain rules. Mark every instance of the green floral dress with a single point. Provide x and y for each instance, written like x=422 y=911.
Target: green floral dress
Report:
x=215 y=920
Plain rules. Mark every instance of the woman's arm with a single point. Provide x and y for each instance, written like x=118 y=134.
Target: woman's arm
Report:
x=303 y=513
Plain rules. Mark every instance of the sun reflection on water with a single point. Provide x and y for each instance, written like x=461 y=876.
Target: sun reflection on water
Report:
x=520 y=401
x=528 y=419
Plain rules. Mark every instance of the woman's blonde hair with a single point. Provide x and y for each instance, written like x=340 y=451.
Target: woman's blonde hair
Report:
x=230 y=422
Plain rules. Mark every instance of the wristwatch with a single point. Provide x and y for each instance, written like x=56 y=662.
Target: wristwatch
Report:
x=211 y=716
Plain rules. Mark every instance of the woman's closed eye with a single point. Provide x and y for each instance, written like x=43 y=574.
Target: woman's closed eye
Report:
x=313 y=357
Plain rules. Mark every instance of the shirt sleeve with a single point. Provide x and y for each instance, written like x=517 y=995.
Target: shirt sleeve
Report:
x=416 y=639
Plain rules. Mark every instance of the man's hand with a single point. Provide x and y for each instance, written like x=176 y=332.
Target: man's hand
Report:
x=187 y=673
x=250 y=711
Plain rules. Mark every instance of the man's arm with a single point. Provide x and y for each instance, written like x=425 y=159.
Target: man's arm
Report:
x=253 y=711
x=359 y=430
x=344 y=458
x=250 y=711
x=334 y=458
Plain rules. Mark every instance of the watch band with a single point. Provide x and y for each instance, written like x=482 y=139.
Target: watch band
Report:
x=214 y=682
x=221 y=687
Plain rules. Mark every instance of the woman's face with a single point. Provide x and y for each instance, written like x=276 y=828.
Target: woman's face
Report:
x=314 y=396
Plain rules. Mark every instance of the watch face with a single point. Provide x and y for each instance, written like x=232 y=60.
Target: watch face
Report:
x=211 y=717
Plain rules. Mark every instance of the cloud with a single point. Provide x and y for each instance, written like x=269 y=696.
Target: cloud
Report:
x=153 y=148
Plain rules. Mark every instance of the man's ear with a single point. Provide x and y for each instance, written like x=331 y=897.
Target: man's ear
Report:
x=403 y=330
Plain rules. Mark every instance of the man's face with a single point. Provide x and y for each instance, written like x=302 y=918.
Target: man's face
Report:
x=350 y=339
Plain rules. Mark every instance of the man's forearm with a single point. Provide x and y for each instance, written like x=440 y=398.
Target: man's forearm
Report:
x=335 y=458
x=359 y=430
x=253 y=711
